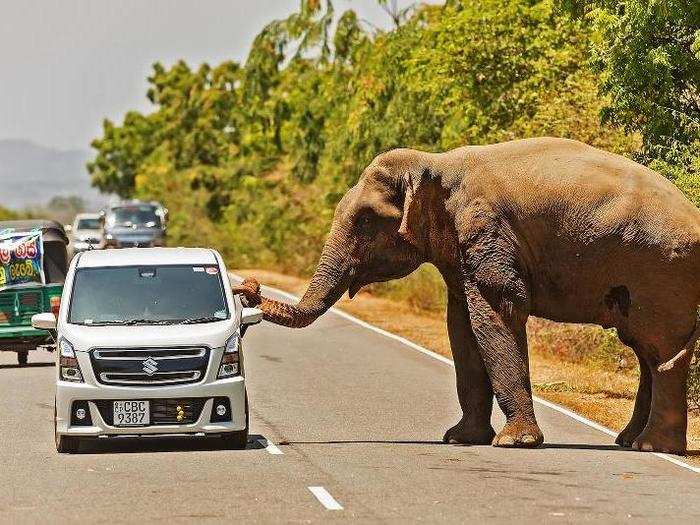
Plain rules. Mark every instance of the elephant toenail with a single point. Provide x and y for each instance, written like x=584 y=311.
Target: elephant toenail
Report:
x=646 y=447
x=453 y=441
x=527 y=438
x=506 y=440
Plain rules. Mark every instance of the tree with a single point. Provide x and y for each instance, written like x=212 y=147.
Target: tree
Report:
x=648 y=55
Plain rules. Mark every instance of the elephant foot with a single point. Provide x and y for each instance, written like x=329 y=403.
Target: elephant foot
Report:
x=519 y=434
x=650 y=441
x=627 y=436
x=469 y=434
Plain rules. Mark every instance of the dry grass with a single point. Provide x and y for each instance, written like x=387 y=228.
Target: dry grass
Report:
x=581 y=367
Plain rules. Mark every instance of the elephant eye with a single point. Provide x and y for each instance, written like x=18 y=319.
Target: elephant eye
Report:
x=364 y=223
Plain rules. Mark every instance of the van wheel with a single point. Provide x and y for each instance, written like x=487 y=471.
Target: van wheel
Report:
x=238 y=440
x=22 y=357
x=67 y=444
x=64 y=444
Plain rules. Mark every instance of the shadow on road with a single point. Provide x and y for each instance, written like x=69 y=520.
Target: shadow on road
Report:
x=29 y=365
x=565 y=446
x=140 y=445
x=586 y=446
x=363 y=442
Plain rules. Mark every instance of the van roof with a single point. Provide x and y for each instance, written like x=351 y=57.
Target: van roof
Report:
x=146 y=257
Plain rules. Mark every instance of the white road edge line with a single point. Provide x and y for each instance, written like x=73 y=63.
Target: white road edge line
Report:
x=270 y=446
x=417 y=347
x=325 y=498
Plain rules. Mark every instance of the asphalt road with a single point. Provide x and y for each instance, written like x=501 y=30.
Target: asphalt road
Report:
x=353 y=414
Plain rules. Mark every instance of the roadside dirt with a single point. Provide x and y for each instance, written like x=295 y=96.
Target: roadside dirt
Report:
x=598 y=391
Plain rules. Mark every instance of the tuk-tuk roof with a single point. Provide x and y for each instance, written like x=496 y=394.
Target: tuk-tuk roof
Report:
x=52 y=229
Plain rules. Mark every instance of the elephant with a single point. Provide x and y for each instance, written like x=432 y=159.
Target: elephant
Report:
x=547 y=227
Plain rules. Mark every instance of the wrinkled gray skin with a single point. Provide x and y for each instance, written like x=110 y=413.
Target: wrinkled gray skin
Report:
x=545 y=227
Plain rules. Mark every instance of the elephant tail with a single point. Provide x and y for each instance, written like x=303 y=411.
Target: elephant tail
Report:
x=688 y=348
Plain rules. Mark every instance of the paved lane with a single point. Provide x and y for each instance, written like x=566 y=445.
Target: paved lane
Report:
x=354 y=413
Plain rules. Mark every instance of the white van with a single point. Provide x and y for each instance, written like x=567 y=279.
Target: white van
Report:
x=149 y=343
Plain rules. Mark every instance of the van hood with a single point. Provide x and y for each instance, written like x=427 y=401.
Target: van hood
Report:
x=85 y=338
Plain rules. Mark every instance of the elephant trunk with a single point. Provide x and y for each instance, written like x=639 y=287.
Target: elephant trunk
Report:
x=329 y=282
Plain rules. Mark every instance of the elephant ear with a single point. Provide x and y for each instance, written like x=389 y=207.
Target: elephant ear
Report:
x=412 y=181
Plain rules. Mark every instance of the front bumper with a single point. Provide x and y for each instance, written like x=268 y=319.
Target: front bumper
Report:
x=232 y=388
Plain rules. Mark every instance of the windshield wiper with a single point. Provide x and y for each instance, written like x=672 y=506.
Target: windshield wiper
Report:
x=132 y=322
x=104 y=323
x=197 y=320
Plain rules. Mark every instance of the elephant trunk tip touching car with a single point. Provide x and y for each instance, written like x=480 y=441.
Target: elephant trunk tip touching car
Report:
x=546 y=227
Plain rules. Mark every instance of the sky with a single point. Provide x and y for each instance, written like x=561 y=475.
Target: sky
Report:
x=67 y=64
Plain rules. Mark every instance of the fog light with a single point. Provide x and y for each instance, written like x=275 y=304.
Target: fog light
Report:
x=80 y=414
x=71 y=374
x=228 y=369
x=220 y=410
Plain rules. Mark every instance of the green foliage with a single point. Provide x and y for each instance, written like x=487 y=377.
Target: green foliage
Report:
x=648 y=55
x=424 y=289
x=7 y=215
x=252 y=158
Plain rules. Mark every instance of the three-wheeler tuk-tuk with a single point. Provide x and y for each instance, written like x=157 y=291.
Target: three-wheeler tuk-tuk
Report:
x=33 y=267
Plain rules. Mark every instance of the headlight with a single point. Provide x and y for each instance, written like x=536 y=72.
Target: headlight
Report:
x=69 y=370
x=66 y=348
x=231 y=360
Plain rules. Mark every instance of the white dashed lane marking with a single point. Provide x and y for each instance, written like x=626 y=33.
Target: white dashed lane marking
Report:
x=325 y=498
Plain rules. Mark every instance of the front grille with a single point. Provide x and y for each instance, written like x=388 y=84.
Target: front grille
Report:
x=163 y=411
x=149 y=366
x=164 y=378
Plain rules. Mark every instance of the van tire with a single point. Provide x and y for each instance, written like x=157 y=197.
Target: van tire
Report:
x=67 y=444
x=64 y=444
x=238 y=440
x=22 y=357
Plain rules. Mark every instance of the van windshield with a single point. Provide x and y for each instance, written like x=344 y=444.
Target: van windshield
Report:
x=148 y=295
x=88 y=224
x=134 y=216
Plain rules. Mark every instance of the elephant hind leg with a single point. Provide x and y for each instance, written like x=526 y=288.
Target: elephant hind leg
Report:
x=473 y=385
x=666 y=427
x=665 y=430
x=642 y=405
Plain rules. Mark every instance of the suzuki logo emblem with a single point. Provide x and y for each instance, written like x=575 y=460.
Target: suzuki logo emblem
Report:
x=150 y=366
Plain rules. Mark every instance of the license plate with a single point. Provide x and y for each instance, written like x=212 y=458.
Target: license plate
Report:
x=132 y=413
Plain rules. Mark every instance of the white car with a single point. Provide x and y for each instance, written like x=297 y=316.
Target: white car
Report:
x=86 y=232
x=149 y=343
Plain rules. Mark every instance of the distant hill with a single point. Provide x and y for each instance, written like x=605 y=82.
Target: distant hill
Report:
x=30 y=174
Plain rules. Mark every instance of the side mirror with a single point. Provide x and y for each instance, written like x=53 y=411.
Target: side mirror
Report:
x=251 y=316
x=46 y=321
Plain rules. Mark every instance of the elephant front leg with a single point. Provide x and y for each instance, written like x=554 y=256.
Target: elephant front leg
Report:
x=473 y=384
x=501 y=336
